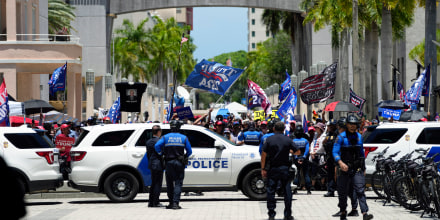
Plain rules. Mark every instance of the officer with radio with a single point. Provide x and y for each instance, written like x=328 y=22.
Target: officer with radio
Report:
x=348 y=153
x=252 y=137
x=173 y=146
x=302 y=144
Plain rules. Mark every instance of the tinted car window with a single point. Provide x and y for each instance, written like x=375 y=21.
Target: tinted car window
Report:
x=81 y=137
x=114 y=138
x=198 y=139
x=146 y=135
x=385 y=136
x=27 y=140
x=429 y=136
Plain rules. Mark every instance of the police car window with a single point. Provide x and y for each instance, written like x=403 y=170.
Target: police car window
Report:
x=429 y=136
x=113 y=138
x=198 y=139
x=27 y=140
x=385 y=136
x=146 y=135
x=81 y=137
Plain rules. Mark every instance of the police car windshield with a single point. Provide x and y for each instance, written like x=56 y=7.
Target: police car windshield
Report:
x=220 y=136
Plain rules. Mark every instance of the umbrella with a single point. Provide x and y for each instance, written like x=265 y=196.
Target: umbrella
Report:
x=341 y=106
x=37 y=106
x=18 y=120
x=413 y=115
x=392 y=104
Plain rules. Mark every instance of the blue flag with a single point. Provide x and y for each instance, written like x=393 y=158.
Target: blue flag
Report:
x=305 y=128
x=115 y=111
x=413 y=94
x=425 y=91
x=213 y=77
x=285 y=88
x=169 y=112
x=179 y=101
x=288 y=105
x=58 y=80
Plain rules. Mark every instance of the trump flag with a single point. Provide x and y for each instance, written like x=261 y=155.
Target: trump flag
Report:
x=285 y=88
x=115 y=111
x=289 y=105
x=213 y=77
x=257 y=97
x=418 y=88
x=4 y=107
x=58 y=80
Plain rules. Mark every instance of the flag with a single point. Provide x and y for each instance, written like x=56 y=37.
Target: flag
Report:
x=179 y=101
x=229 y=62
x=257 y=97
x=169 y=112
x=288 y=105
x=115 y=111
x=413 y=94
x=320 y=87
x=356 y=100
x=58 y=80
x=4 y=107
x=184 y=39
x=305 y=127
x=401 y=91
x=285 y=88
x=213 y=77
x=425 y=91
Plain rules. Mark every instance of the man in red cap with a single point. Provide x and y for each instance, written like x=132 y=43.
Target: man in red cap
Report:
x=106 y=120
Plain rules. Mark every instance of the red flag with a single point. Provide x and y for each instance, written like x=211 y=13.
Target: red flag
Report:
x=4 y=107
x=184 y=39
x=257 y=97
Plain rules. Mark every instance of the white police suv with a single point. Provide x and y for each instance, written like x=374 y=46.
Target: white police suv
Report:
x=31 y=157
x=404 y=137
x=111 y=159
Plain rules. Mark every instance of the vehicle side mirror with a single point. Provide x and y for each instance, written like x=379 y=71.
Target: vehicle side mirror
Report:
x=219 y=145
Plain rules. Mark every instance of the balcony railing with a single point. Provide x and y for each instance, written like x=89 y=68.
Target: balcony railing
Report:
x=43 y=38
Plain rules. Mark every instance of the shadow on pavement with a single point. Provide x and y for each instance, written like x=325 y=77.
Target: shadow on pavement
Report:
x=42 y=203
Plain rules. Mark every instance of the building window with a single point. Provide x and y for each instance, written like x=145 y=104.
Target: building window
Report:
x=253 y=10
x=34 y=22
x=253 y=33
x=178 y=10
x=253 y=21
x=253 y=45
x=267 y=33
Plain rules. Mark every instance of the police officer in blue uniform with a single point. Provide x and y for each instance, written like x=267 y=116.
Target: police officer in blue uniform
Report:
x=301 y=163
x=156 y=168
x=275 y=167
x=270 y=127
x=173 y=145
x=252 y=136
x=348 y=153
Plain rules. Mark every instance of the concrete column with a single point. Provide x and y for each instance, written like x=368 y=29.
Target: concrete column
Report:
x=78 y=96
x=150 y=106
x=11 y=21
x=70 y=81
x=162 y=96
x=108 y=98
x=90 y=90
x=156 y=108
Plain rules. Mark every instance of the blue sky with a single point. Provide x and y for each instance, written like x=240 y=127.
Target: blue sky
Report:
x=219 y=30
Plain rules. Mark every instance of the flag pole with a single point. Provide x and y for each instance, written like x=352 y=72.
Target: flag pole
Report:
x=65 y=85
x=175 y=79
x=430 y=87
x=229 y=87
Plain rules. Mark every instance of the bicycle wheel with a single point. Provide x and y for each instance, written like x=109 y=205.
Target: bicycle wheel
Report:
x=377 y=179
x=425 y=197
x=405 y=193
x=434 y=196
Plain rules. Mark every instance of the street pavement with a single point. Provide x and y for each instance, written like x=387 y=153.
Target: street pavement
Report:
x=212 y=205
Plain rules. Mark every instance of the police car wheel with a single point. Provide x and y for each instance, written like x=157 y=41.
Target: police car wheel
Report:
x=254 y=186
x=121 y=186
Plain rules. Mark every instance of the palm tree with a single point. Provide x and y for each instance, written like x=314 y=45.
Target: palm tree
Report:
x=60 y=14
x=165 y=42
x=132 y=46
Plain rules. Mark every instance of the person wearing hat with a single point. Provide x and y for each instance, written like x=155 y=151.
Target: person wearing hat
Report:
x=316 y=157
x=237 y=135
x=290 y=132
x=106 y=120
x=349 y=154
x=311 y=133
x=330 y=162
x=263 y=128
x=252 y=136
x=219 y=127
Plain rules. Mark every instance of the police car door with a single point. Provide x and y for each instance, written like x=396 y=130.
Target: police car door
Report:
x=207 y=165
x=429 y=138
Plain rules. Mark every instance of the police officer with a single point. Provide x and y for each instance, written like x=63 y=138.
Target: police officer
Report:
x=173 y=145
x=301 y=163
x=270 y=130
x=330 y=162
x=156 y=168
x=348 y=153
x=252 y=137
x=275 y=167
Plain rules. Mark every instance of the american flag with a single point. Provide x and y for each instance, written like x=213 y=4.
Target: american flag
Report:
x=401 y=91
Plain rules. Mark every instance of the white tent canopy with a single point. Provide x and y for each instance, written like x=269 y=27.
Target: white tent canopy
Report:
x=236 y=107
x=15 y=108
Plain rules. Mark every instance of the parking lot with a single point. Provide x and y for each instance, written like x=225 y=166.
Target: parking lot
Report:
x=212 y=205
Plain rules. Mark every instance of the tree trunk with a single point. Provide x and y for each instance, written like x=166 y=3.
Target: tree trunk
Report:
x=355 y=51
x=431 y=50
x=373 y=47
x=386 y=45
x=363 y=77
x=342 y=86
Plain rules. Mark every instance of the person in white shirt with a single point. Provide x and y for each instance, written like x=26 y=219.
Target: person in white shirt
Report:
x=316 y=157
